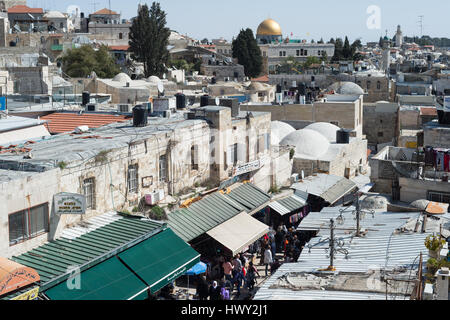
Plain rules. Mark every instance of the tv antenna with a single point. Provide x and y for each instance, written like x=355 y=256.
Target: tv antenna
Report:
x=421 y=25
x=160 y=89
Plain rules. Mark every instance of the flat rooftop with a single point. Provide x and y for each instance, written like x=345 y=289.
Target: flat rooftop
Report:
x=47 y=153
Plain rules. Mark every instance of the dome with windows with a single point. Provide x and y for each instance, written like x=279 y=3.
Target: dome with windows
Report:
x=269 y=31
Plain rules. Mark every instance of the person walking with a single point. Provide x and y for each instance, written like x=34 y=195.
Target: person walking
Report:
x=214 y=292
x=251 y=276
x=228 y=270
x=202 y=288
x=273 y=248
x=237 y=281
x=237 y=265
x=267 y=259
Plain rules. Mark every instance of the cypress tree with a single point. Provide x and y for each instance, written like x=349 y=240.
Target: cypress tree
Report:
x=247 y=52
x=149 y=38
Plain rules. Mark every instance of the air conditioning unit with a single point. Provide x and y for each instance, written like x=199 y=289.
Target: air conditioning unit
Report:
x=91 y=107
x=167 y=113
x=161 y=195
x=189 y=115
x=152 y=198
x=124 y=108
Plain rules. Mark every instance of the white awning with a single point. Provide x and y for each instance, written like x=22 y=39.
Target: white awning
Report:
x=239 y=232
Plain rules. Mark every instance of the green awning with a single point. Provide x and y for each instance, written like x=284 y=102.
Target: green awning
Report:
x=155 y=262
x=160 y=259
x=109 y=280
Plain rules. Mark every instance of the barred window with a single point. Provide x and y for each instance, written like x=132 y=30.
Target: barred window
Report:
x=89 y=192
x=27 y=224
x=441 y=197
x=133 y=183
x=163 y=168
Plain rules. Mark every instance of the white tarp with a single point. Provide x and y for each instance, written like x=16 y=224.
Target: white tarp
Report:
x=239 y=232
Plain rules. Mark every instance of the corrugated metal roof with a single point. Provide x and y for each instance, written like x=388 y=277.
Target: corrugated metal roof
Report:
x=215 y=209
x=250 y=196
x=384 y=247
x=86 y=246
x=203 y=216
x=339 y=190
x=317 y=185
x=288 y=205
x=60 y=122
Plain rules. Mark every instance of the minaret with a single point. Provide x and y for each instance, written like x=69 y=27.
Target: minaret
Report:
x=386 y=54
x=399 y=38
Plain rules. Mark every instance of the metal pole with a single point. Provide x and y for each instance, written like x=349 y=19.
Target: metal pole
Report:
x=332 y=243
x=358 y=215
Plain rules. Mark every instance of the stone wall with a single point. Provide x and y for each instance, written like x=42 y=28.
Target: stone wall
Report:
x=380 y=123
x=414 y=189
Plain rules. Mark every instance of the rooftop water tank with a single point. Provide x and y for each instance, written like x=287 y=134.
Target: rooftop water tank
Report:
x=204 y=101
x=342 y=136
x=181 y=101
x=140 y=115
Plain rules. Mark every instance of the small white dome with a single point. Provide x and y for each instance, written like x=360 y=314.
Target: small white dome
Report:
x=279 y=131
x=153 y=79
x=54 y=14
x=420 y=204
x=346 y=87
x=375 y=203
x=308 y=143
x=328 y=130
x=122 y=77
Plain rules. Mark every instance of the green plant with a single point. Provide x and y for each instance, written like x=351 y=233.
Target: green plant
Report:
x=102 y=156
x=274 y=189
x=291 y=154
x=135 y=209
x=434 y=243
x=158 y=213
x=62 y=165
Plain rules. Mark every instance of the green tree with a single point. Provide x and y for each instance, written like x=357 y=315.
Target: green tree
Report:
x=80 y=62
x=149 y=38
x=246 y=51
x=310 y=61
x=338 y=50
x=347 y=50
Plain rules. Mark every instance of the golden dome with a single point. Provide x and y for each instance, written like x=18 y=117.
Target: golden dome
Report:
x=269 y=27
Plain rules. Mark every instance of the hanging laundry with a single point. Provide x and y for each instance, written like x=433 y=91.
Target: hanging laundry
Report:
x=440 y=161
x=447 y=162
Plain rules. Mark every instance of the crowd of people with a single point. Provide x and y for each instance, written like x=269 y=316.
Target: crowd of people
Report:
x=240 y=272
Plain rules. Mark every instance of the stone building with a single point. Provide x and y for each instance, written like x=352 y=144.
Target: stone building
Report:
x=380 y=124
x=123 y=90
x=115 y=166
x=108 y=23
x=344 y=111
x=317 y=151
x=57 y=21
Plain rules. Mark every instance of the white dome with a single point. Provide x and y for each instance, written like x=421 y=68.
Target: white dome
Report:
x=308 y=143
x=122 y=77
x=279 y=131
x=328 y=130
x=54 y=14
x=153 y=79
x=375 y=203
x=420 y=204
x=346 y=87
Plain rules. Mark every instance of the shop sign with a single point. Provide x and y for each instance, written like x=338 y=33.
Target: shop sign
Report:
x=70 y=203
x=29 y=295
x=248 y=167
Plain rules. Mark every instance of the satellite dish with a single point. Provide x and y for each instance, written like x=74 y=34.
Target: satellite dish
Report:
x=217 y=101
x=160 y=87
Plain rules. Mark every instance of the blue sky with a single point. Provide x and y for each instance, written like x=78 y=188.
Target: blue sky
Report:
x=305 y=19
